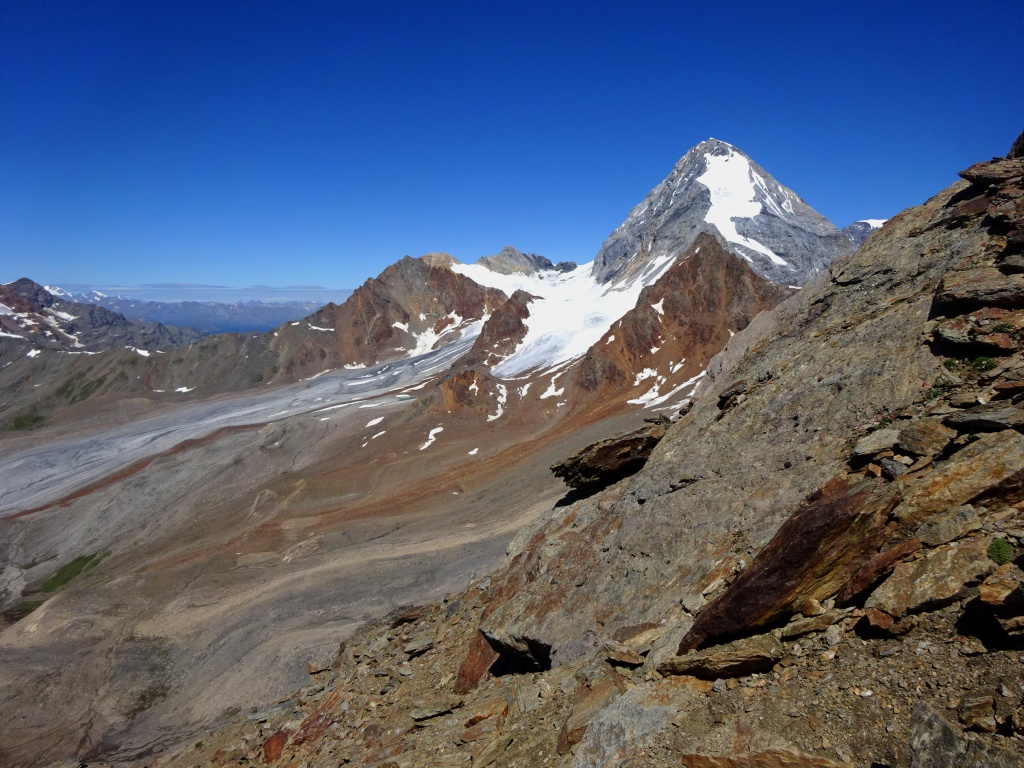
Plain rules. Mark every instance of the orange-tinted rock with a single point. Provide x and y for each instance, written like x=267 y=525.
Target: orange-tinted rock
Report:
x=608 y=461
x=476 y=664
x=274 y=746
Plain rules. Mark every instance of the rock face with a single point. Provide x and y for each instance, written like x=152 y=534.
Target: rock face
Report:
x=716 y=188
x=511 y=261
x=410 y=307
x=859 y=231
x=679 y=323
x=502 y=331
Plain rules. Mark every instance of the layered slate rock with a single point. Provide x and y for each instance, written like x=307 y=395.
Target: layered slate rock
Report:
x=607 y=461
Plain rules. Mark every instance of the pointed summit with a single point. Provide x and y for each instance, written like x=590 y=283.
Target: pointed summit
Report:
x=719 y=189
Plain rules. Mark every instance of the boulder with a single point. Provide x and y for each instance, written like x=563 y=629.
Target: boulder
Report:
x=924 y=437
x=993 y=417
x=876 y=442
x=948 y=526
x=969 y=289
x=772 y=758
x=937 y=579
x=608 y=461
x=735 y=659
x=937 y=743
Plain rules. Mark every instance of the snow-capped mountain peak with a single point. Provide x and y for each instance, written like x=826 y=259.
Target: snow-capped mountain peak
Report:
x=717 y=188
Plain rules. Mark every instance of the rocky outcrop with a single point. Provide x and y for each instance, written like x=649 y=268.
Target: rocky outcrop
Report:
x=607 y=461
x=510 y=261
x=716 y=188
x=409 y=308
x=679 y=323
x=502 y=332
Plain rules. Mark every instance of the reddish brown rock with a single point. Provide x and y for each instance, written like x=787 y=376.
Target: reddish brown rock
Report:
x=824 y=543
x=924 y=437
x=502 y=332
x=274 y=746
x=476 y=664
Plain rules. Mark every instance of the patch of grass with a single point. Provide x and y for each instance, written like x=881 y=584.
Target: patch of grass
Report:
x=156 y=692
x=68 y=571
x=1000 y=551
x=982 y=364
x=30 y=418
x=1002 y=328
x=75 y=389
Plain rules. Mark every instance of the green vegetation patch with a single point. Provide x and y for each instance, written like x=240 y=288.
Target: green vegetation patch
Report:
x=75 y=389
x=26 y=419
x=68 y=571
x=1000 y=551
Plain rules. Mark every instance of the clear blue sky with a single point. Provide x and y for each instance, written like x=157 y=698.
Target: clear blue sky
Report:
x=306 y=143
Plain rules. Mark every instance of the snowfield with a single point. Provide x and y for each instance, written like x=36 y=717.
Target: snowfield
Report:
x=572 y=312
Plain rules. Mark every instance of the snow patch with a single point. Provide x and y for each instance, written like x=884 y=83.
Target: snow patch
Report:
x=374 y=422
x=431 y=437
x=502 y=397
x=318 y=328
x=32 y=353
x=400 y=326
x=659 y=307
x=184 y=389
x=729 y=180
x=353 y=366
x=474 y=452
x=873 y=223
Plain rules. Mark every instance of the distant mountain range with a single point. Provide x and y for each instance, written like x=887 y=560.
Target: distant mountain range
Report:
x=204 y=316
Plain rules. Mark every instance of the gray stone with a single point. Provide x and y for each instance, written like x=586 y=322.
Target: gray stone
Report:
x=987 y=418
x=892 y=468
x=937 y=743
x=876 y=442
x=948 y=526
x=938 y=579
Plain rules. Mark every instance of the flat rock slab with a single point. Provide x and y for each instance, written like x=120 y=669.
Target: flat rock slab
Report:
x=924 y=437
x=735 y=659
x=985 y=418
x=948 y=526
x=935 y=580
x=981 y=287
x=876 y=442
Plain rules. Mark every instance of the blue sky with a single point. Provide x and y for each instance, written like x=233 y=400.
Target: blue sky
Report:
x=315 y=143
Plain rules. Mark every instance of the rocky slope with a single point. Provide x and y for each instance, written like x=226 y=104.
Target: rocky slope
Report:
x=717 y=188
x=818 y=566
